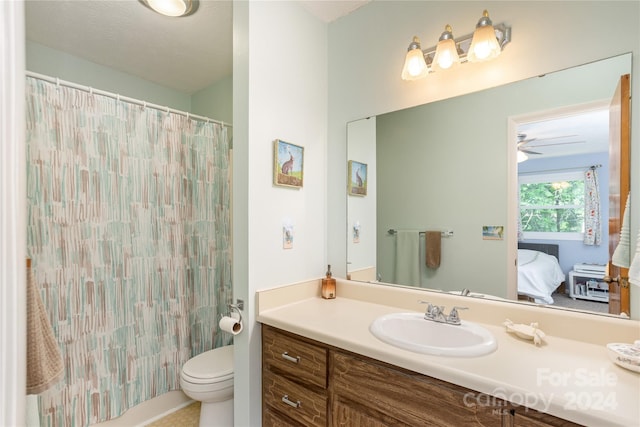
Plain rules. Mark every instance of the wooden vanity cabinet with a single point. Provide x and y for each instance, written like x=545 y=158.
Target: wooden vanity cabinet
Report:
x=306 y=383
x=525 y=417
x=366 y=392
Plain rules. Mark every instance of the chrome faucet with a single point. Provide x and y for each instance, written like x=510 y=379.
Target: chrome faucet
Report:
x=437 y=314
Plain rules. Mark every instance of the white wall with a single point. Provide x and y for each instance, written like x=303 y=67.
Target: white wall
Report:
x=366 y=51
x=362 y=210
x=280 y=91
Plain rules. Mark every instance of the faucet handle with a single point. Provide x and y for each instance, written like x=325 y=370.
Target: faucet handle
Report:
x=454 y=317
x=429 y=312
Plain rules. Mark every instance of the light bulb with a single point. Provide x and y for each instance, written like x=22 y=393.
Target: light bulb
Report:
x=522 y=156
x=484 y=44
x=169 y=7
x=415 y=66
x=446 y=50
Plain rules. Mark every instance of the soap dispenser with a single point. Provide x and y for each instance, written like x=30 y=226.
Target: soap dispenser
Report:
x=328 y=285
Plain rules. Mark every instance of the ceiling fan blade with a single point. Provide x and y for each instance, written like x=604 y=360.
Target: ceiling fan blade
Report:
x=560 y=143
x=530 y=152
x=556 y=137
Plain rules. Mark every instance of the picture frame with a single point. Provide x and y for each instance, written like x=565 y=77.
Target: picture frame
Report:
x=357 y=178
x=492 y=232
x=288 y=164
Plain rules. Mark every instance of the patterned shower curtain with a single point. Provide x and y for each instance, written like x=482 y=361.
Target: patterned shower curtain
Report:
x=129 y=233
x=592 y=217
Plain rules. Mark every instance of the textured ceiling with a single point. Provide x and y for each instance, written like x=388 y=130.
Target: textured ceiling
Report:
x=186 y=54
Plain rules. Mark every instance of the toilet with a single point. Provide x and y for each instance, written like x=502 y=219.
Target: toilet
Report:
x=208 y=378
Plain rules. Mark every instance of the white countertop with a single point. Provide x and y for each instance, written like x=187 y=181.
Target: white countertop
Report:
x=564 y=377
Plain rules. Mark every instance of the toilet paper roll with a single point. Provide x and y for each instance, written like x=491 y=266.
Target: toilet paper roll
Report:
x=231 y=325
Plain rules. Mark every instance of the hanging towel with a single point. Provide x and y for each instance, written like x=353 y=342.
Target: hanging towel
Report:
x=44 y=361
x=621 y=255
x=432 y=248
x=634 y=270
x=407 y=258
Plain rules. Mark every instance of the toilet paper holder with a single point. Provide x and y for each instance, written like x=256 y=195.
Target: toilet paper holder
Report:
x=237 y=307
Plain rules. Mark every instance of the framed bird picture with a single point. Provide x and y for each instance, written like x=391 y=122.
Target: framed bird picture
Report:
x=357 y=178
x=288 y=164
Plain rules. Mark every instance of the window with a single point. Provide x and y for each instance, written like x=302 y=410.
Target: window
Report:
x=552 y=205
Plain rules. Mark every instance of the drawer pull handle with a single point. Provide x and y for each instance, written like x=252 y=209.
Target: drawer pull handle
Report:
x=286 y=400
x=286 y=356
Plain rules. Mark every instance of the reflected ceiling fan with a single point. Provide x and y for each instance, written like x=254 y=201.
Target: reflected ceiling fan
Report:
x=523 y=141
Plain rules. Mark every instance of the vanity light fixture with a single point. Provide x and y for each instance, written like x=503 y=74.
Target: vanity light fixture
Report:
x=173 y=8
x=415 y=66
x=446 y=55
x=485 y=43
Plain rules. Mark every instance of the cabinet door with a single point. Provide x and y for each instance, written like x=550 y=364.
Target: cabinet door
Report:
x=525 y=417
x=346 y=415
x=391 y=396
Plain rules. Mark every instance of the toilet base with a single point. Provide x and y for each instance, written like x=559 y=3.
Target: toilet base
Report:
x=216 y=414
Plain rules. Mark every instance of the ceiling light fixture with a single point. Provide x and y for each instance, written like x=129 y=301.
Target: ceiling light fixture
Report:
x=486 y=42
x=522 y=157
x=173 y=8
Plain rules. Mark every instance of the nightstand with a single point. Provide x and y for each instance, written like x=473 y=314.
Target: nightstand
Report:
x=588 y=286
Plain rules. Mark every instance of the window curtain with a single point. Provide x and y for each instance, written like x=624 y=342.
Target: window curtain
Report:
x=592 y=218
x=520 y=233
x=128 y=218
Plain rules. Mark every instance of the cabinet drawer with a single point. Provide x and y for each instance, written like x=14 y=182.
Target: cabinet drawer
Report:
x=271 y=418
x=297 y=360
x=293 y=400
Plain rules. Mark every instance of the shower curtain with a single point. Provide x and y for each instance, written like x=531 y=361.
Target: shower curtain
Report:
x=129 y=233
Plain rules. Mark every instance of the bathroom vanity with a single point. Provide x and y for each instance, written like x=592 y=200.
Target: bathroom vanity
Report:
x=307 y=382
x=322 y=367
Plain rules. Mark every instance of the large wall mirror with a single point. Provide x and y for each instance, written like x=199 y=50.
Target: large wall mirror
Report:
x=445 y=170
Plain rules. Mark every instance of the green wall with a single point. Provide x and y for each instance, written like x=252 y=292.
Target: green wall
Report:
x=214 y=101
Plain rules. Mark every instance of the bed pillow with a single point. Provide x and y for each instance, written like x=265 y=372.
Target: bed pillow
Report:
x=526 y=256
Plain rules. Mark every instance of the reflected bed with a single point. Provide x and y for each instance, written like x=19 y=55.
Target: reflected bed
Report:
x=539 y=273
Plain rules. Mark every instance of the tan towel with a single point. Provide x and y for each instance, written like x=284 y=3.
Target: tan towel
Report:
x=432 y=248
x=44 y=361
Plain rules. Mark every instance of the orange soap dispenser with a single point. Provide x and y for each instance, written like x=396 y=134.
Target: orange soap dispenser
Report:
x=328 y=285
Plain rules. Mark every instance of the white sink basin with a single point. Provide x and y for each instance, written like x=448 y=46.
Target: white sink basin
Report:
x=411 y=331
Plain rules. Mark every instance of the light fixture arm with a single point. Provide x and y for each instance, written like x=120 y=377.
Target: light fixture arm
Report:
x=503 y=34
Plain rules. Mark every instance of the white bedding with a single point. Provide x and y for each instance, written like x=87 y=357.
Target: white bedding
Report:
x=539 y=274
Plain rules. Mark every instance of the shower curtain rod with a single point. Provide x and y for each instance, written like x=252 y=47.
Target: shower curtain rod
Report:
x=562 y=169
x=89 y=89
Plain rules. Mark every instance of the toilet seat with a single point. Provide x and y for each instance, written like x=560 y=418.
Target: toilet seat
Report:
x=213 y=366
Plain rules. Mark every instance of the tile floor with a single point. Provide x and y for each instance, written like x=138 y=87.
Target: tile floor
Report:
x=189 y=416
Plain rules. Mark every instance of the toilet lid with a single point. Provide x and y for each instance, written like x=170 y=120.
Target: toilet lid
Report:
x=216 y=364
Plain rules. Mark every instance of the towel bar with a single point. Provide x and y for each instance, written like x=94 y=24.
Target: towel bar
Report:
x=445 y=233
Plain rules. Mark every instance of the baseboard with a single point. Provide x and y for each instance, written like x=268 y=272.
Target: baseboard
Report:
x=150 y=411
